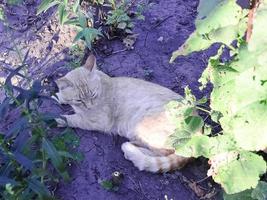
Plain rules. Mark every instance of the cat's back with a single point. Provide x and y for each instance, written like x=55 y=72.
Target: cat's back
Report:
x=142 y=90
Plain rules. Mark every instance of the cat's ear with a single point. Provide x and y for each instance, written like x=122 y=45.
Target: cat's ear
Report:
x=90 y=63
x=63 y=83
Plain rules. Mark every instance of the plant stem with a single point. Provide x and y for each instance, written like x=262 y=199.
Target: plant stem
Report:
x=43 y=165
x=207 y=111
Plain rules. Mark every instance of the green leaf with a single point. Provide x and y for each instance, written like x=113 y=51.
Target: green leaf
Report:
x=224 y=14
x=72 y=22
x=39 y=188
x=65 y=2
x=224 y=23
x=122 y=25
x=188 y=112
x=62 y=14
x=56 y=159
x=14 y=2
x=260 y=192
x=76 y=6
x=243 y=114
x=240 y=174
x=205 y=7
x=258 y=39
x=52 y=153
x=78 y=36
x=216 y=116
x=23 y=160
x=203 y=145
x=5 y=180
x=245 y=195
x=194 y=123
x=46 y=4
x=82 y=20
x=203 y=100
x=108 y=185
x=2 y=14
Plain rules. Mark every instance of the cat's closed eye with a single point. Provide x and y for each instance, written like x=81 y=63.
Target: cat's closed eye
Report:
x=93 y=93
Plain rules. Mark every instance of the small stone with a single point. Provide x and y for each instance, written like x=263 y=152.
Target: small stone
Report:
x=160 y=39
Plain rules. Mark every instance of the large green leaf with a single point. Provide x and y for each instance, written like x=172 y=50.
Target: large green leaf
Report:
x=223 y=23
x=245 y=195
x=239 y=94
x=240 y=174
x=226 y=13
x=259 y=34
x=202 y=145
x=260 y=192
x=206 y=7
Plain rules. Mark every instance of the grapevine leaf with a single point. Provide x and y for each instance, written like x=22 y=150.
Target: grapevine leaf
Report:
x=244 y=170
x=218 y=18
x=215 y=27
x=243 y=114
x=203 y=145
x=260 y=192
x=205 y=7
x=259 y=35
x=194 y=123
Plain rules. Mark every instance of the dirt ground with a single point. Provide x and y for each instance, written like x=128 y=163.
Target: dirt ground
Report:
x=166 y=26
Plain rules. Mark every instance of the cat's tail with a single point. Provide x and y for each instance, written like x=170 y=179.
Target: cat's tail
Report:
x=146 y=162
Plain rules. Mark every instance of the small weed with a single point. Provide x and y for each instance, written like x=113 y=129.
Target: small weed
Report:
x=114 y=182
x=77 y=53
x=148 y=73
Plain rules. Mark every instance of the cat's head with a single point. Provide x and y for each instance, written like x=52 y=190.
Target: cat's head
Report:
x=81 y=86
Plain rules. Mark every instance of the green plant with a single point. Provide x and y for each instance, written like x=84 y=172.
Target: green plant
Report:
x=32 y=157
x=77 y=53
x=71 y=14
x=119 y=18
x=238 y=99
x=111 y=13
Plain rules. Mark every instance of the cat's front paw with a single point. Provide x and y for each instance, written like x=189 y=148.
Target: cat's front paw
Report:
x=61 y=122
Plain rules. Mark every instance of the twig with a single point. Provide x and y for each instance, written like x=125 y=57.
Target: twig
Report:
x=119 y=51
x=160 y=22
x=253 y=8
x=201 y=180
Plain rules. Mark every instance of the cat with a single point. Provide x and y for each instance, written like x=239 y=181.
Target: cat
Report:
x=129 y=107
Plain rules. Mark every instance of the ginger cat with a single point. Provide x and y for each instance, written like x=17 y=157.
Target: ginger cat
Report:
x=130 y=107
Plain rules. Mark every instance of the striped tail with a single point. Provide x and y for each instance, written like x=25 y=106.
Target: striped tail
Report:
x=143 y=161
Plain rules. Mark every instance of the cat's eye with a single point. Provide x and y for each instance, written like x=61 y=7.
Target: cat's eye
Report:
x=92 y=93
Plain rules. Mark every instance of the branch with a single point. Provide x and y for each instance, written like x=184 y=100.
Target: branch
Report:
x=254 y=4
